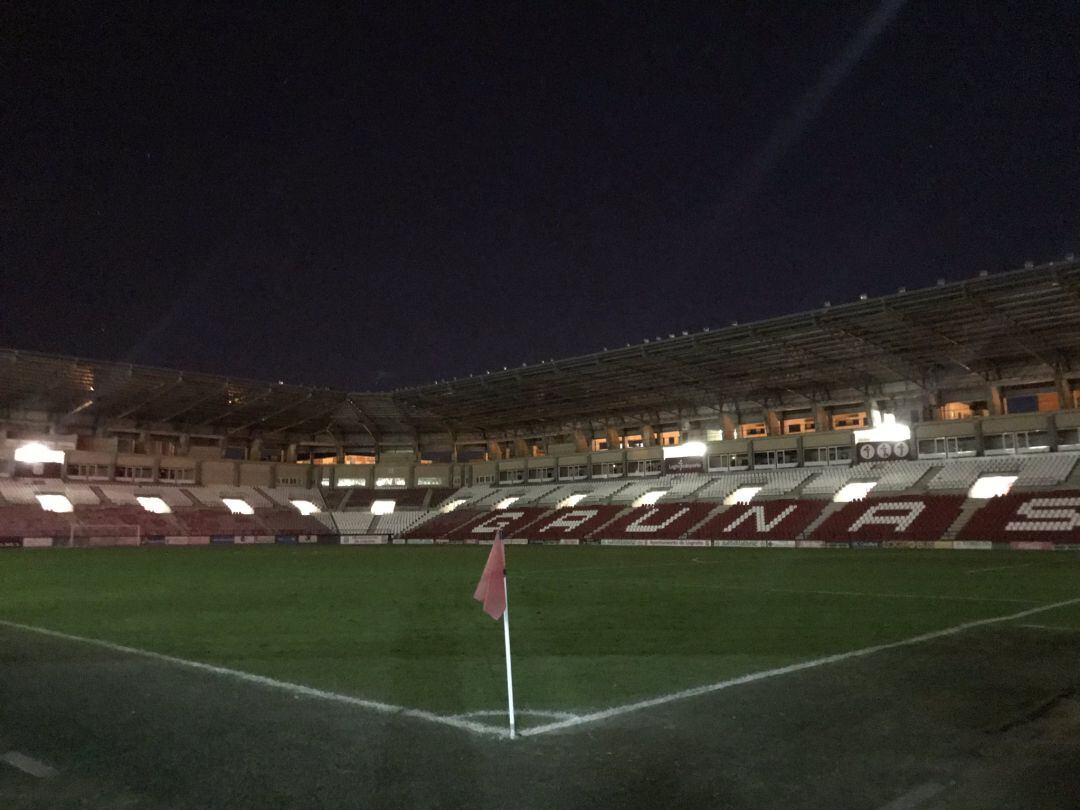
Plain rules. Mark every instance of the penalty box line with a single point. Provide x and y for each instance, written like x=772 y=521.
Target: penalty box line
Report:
x=616 y=711
x=296 y=689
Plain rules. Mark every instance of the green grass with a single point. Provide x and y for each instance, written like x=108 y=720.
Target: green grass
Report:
x=592 y=627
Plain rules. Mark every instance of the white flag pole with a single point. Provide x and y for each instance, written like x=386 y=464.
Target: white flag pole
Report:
x=509 y=674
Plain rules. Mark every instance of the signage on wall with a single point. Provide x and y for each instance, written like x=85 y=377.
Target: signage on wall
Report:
x=684 y=465
x=883 y=451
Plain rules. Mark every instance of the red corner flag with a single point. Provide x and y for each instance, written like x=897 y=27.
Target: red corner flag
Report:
x=492 y=589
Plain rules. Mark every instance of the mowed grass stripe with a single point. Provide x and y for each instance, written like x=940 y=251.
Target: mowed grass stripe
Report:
x=397 y=625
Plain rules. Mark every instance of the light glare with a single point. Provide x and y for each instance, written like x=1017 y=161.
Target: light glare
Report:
x=37 y=453
x=55 y=503
x=238 y=506
x=152 y=503
x=991 y=486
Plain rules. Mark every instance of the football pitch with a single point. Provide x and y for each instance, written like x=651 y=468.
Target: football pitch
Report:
x=369 y=677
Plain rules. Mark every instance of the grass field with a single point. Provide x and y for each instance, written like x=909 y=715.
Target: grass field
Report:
x=593 y=628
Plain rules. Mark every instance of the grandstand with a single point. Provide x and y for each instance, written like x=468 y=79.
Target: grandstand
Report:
x=847 y=416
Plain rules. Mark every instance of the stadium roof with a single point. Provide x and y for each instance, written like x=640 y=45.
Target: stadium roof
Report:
x=992 y=327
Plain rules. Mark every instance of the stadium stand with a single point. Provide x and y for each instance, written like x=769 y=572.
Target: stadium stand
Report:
x=681 y=487
x=897 y=476
x=768 y=520
x=508 y=521
x=1030 y=518
x=443 y=523
x=397 y=523
x=635 y=489
x=353 y=522
x=829 y=480
x=661 y=521
x=572 y=523
x=923 y=518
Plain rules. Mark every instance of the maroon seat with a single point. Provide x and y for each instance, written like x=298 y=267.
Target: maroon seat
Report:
x=920 y=518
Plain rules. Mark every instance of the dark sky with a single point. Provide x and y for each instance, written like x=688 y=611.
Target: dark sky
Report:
x=387 y=194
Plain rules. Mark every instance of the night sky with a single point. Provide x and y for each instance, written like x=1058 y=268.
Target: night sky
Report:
x=388 y=194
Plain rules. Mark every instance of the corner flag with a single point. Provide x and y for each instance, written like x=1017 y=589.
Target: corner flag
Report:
x=491 y=592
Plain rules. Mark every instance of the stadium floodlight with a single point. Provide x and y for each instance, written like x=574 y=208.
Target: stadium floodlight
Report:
x=454 y=504
x=305 y=507
x=649 y=498
x=238 y=506
x=888 y=431
x=506 y=503
x=55 y=503
x=855 y=491
x=573 y=500
x=37 y=453
x=742 y=495
x=687 y=450
x=383 y=507
x=991 y=486
x=152 y=503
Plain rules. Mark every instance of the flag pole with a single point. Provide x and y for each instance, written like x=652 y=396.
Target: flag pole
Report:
x=509 y=673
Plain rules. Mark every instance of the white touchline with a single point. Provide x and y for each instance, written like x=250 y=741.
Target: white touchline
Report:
x=262 y=680
x=615 y=711
x=996 y=568
x=872 y=595
x=28 y=765
x=571 y=720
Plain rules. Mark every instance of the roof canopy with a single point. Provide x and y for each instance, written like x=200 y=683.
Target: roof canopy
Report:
x=993 y=327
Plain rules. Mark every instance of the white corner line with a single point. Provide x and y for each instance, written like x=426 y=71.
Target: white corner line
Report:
x=292 y=688
x=28 y=765
x=615 y=711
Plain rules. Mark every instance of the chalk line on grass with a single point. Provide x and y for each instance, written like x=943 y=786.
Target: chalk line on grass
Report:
x=996 y=568
x=295 y=689
x=615 y=711
x=28 y=765
x=568 y=719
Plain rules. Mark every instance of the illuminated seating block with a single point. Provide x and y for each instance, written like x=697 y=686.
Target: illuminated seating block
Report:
x=662 y=520
x=767 y=520
x=572 y=523
x=920 y=518
x=1044 y=517
x=441 y=525
x=508 y=521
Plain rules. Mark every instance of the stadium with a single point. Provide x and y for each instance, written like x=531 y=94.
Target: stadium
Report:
x=855 y=524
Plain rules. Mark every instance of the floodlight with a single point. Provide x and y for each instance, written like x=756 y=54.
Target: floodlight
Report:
x=742 y=495
x=37 y=453
x=238 y=506
x=687 y=450
x=855 y=491
x=991 y=486
x=305 y=507
x=152 y=503
x=651 y=497
x=383 y=507
x=55 y=503
x=888 y=431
